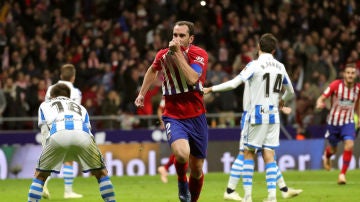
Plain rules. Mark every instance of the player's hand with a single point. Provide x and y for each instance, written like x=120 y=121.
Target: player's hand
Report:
x=207 y=90
x=174 y=45
x=320 y=105
x=286 y=110
x=139 y=102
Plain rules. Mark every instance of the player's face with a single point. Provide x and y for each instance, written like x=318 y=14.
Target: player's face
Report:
x=181 y=34
x=350 y=75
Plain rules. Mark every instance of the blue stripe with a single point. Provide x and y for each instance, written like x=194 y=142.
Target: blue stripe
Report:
x=285 y=81
x=247 y=176
x=53 y=128
x=35 y=196
x=109 y=186
x=271 y=180
x=248 y=170
x=247 y=183
x=106 y=178
x=235 y=176
x=42 y=115
x=236 y=170
x=271 y=115
x=242 y=124
x=108 y=195
x=69 y=122
x=271 y=173
x=271 y=187
x=270 y=165
x=85 y=124
x=36 y=188
x=258 y=115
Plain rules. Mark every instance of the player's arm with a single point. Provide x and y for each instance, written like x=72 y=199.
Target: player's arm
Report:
x=149 y=78
x=191 y=75
x=289 y=89
x=226 y=86
x=320 y=102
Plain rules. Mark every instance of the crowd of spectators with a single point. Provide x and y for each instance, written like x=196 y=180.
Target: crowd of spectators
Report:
x=113 y=42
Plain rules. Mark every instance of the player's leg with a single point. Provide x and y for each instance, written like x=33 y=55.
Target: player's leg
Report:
x=36 y=187
x=271 y=173
x=181 y=150
x=164 y=169
x=196 y=179
x=234 y=178
x=286 y=192
x=68 y=173
x=46 y=192
x=105 y=185
x=331 y=135
x=248 y=173
x=198 y=150
x=178 y=141
x=347 y=154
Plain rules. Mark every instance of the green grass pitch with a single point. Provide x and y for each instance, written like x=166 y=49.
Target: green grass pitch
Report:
x=318 y=186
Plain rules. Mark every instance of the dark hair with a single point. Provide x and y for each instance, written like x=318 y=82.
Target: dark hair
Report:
x=190 y=25
x=68 y=71
x=60 y=89
x=267 y=43
x=350 y=65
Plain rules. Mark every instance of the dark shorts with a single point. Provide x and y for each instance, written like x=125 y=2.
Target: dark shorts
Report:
x=195 y=130
x=335 y=134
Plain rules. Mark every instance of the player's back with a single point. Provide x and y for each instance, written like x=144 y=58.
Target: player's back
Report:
x=62 y=113
x=265 y=87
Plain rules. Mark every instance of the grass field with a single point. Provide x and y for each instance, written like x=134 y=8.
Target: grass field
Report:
x=318 y=186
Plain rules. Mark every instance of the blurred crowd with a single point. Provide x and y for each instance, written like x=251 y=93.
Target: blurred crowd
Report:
x=113 y=42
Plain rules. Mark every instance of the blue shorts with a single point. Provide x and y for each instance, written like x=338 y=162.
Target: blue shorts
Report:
x=335 y=134
x=195 y=130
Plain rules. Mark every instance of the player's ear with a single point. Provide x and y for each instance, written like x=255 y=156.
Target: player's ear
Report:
x=191 y=38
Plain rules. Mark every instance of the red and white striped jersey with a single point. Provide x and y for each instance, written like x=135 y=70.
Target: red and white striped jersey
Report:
x=343 y=100
x=182 y=100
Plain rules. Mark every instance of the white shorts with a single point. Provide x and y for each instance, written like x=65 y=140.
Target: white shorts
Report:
x=261 y=136
x=70 y=145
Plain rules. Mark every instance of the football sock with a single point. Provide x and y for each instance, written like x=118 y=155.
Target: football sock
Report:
x=181 y=169
x=68 y=172
x=106 y=189
x=170 y=162
x=328 y=152
x=346 y=160
x=235 y=173
x=271 y=173
x=280 y=180
x=35 y=191
x=195 y=186
x=247 y=176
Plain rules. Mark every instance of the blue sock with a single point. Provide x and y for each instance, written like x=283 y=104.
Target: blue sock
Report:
x=106 y=189
x=35 y=191
x=68 y=172
x=235 y=172
x=247 y=176
x=271 y=174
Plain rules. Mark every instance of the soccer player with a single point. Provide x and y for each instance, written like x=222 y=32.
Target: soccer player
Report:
x=340 y=121
x=67 y=77
x=265 y=77
x=66 y=131
x=183 y=66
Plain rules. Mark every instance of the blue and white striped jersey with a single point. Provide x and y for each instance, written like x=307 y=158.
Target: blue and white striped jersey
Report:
x=62 y=113
x=75 y=93
x=264 y=79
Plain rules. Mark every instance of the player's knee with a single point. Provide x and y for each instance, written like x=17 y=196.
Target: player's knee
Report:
x=99 y=173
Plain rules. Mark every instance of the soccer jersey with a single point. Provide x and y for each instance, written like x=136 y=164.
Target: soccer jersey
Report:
x=62 y=113
x=265 y=78
x=75 y=93
x=342 y=101
x=182 y=100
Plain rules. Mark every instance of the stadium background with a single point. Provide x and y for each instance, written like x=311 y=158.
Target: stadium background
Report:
x=111 y=43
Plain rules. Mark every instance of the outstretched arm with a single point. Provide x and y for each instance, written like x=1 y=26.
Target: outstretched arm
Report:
x=226 y=86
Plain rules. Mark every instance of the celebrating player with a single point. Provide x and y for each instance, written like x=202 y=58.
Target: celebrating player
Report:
x=66 y=131
x=340 y=121
x=184 y=68
x=265 y=78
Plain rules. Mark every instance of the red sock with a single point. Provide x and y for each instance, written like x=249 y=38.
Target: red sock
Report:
x=328 y=152
x=181 y=169
x=195 y=186
x=170 y=162
x=346 y=160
